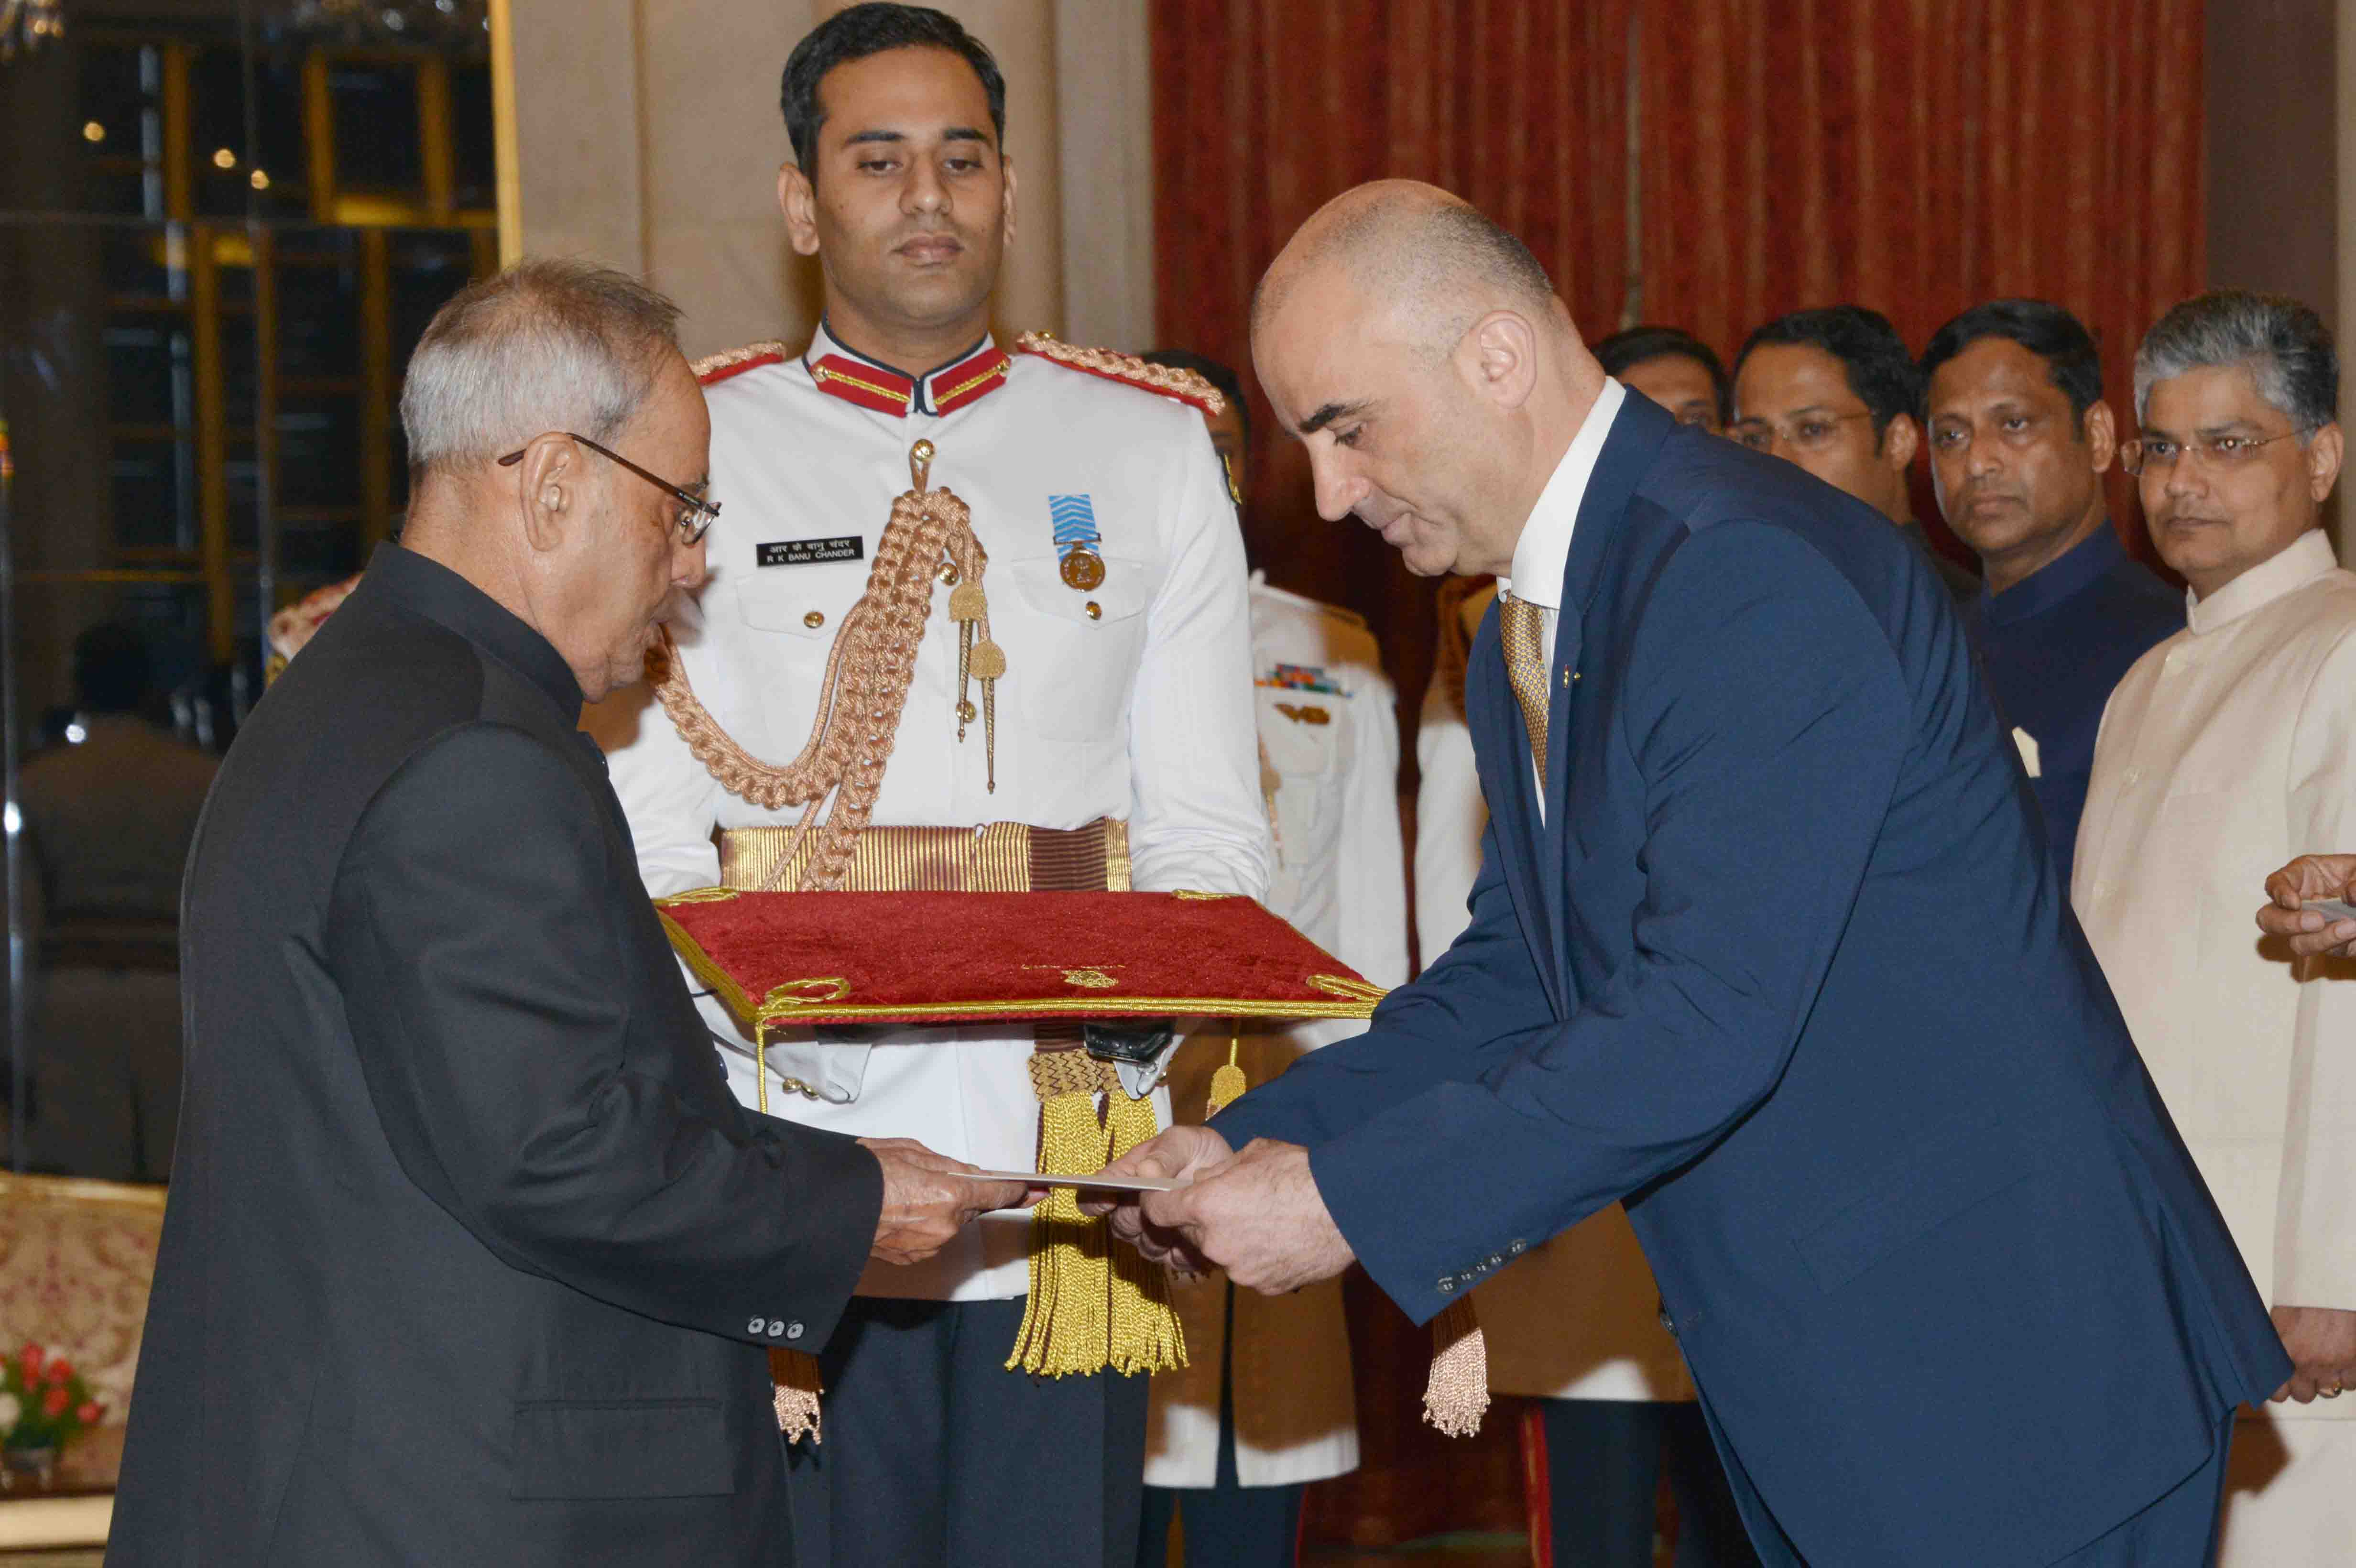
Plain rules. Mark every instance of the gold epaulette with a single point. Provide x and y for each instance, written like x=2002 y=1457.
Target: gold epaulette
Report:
x=1164 y=380
x=730 y=362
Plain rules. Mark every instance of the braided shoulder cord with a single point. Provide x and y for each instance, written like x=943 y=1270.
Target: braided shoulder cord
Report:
x=862 y=693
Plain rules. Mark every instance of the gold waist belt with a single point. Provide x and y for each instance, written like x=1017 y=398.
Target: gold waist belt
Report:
x=995 y=858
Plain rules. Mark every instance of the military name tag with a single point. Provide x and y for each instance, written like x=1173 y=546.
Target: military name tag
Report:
x=810 y=552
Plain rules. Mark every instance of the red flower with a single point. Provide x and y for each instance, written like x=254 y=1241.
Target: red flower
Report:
x=89 y=1414
x=60 y=1370
x=30 y=1359
x=54 y=1402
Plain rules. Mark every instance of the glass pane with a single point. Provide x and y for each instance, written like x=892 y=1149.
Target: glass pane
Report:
x=185 y=346
x=376 y=126
x=318 y=451
x=474 y=148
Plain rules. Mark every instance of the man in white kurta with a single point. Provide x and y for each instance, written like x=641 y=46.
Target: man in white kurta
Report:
x=1126 y=697
x=1576 y=1323
x=2227 y=750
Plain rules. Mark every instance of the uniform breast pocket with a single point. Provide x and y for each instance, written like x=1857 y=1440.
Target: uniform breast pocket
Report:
x=1073 y=654
x=794 y=616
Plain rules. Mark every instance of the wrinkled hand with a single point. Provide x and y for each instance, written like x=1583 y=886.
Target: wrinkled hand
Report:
x=926 y=1203
x=2322 y=1346
x=1181 y=1154
x=1258 y=1216
x=2311 y=877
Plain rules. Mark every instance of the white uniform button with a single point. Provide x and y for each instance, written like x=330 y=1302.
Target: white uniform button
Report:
x=793 y=1330
x=758 y=1326
x=776 y=1326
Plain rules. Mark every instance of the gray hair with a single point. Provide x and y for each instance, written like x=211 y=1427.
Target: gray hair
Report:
x=2283 y=344
x=547 y=345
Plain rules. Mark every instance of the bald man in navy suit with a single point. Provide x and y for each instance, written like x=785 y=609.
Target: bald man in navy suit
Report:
x=1767 y=945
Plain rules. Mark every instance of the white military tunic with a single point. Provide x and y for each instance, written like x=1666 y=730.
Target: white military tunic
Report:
x=2225 y=752
x=1579 y=1318
x=1340 y=878
x=1130 y=701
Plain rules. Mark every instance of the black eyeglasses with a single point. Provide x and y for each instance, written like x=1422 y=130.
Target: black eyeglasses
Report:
x=692 y=525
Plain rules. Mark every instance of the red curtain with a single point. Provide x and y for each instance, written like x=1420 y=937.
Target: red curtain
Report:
x=1918 y=158
x=1904 y=154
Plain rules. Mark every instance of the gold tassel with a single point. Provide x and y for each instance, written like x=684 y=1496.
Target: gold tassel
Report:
x=796 y=1376
x=1459 y=1389
x=1146 y=1334
x=1227 y=1084
x=1065 y=1322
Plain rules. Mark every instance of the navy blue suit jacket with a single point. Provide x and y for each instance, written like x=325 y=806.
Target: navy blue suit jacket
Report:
x=1787 y=969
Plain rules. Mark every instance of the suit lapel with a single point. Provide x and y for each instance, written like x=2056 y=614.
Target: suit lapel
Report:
x=1636 y=437
x=1501 y=755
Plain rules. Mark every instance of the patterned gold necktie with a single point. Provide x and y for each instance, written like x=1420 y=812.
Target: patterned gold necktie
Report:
x=1523 y=625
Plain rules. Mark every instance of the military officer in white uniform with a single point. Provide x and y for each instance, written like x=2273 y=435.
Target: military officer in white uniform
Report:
x=1126 y=697
x=1266 y=1405
x=1575 y=1323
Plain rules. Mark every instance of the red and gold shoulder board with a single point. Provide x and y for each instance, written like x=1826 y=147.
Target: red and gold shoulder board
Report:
x=1126 y=368
x=716 y=368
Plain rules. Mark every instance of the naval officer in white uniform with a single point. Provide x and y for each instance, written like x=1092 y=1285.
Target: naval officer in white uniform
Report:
x=1127 y=696
x=1266 y=1405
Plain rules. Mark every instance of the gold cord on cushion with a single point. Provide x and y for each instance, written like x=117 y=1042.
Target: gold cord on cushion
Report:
x=795 y=1377
x=1458 y=1391
x=866 y=687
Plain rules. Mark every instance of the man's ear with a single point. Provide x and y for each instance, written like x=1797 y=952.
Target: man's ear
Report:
x=1500 y=356
x=2324 y=450
x=797 y=200
x=2101 y=429
x=1900 y=439
x=547 y=493
x=1006 y=201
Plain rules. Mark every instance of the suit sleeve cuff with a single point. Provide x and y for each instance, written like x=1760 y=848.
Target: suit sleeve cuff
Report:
x=838 y=1186
x=1427 y=1240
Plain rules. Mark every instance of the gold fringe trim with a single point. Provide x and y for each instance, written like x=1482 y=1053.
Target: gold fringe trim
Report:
x=1092 y=1305
x=796 y=1378
x=1146 y=1334
x=1458 y=1391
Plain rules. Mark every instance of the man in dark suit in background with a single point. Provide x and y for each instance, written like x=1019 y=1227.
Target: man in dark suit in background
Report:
x=2020 y=439
x=1766 y=944
x=470 y=1256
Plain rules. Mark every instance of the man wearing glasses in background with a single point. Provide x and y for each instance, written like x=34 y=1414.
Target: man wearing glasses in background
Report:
x=1835 y=392
x=2225 y=751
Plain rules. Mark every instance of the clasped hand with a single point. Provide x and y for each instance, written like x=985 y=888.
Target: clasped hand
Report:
x=927 y=1201
x=1257 y=1215
x=2286 y=915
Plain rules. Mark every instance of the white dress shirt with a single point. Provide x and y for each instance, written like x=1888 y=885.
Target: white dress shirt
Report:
x=1133 y=699
x=1543 y=552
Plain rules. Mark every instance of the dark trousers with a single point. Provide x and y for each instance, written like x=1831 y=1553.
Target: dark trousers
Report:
x=934 y=1453
x=1228 y=1524
x=1604 y=1459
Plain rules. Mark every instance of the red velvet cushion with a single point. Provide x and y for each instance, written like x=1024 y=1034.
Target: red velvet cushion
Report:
x=972 y=957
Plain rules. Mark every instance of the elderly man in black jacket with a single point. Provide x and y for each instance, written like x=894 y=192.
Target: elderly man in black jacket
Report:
x=470 y=1256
